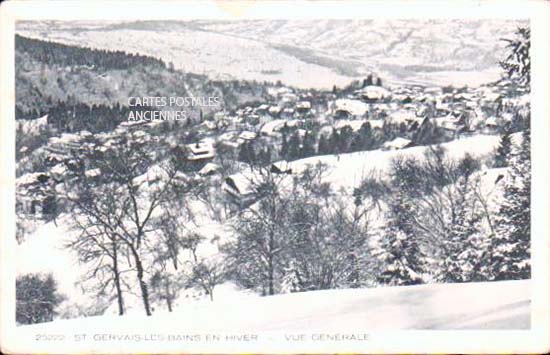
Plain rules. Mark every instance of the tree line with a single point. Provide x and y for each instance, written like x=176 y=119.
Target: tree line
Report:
x=67 y=55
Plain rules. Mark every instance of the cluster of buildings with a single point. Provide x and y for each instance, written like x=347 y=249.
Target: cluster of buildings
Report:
x=454 y=111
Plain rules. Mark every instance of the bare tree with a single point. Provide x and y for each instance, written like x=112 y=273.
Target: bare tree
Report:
x=124 y=209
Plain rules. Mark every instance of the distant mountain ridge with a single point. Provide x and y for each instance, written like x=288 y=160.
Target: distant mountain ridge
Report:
x=298 y=52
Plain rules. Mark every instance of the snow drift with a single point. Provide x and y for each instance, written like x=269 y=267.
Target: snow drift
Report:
x=473 y=306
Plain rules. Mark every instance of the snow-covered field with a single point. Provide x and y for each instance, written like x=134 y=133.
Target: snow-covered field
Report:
x=487 y=305
x=346 y=170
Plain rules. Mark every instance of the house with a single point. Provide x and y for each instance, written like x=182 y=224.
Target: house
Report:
x=491 y=124
x=450 y=125
x=303 y=106
x=287 y=113
x=209 y=169
x=403 y=116
x=288 y=97
x=349 y=108
x=239 y=189
x=247 y=136
x=93 y=173
x=373 y=93
x=262 y=109
x=31 y=190
x=253 y=119
x=59 y=171
x=200 y=152
x=274 y=111
x=397 y=143
x=271 y=127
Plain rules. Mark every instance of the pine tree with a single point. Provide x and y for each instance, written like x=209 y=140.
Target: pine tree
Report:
x=284 y=146
x=402 y=261
x=290 y=281
x=367 y=137
x=459 y=260
x=246 y=153
x=357 y=143
x=503 y=150
x=517 y=64
x=36 y=298
x=323 y=147
x=334 y=142
x=345 y=139
x=510 y=247
x=308 y=146
x=368 y=81
x=400 y=255
x=294 y=146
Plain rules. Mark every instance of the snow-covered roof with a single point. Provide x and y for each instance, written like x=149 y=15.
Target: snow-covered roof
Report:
x=491 y=96
x=92 y=172
x=274 y=110
x=403 y=116
x=227 y=136
x=29 y=178
x=373 y=92
x=354 y=107
x=64 y=138
x=85 y=133
x=378 y=124
x=201 y=150
x=275 y=91
x=209 y=168
x=273 y=126
x=239 y=183
x=59 y=169
x=465 y=96
x=209 y=124
x=304 y=105
x=247 y=135
x=289 y=97
x=447 y=122
x=491 y=121
x=355 y=125
x=397 y=143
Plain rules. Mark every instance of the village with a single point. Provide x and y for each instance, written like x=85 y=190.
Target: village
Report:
x=291 y=124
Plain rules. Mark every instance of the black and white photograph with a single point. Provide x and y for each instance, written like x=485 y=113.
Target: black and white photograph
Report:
x=306 y=182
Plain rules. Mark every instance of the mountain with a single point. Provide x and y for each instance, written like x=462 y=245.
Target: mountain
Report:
x=303 y=53
x=49 y=74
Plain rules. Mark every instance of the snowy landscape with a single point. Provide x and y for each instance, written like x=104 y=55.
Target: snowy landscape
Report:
x=349 y=175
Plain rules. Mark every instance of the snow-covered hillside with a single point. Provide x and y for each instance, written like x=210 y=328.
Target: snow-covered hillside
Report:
x=344 y=171
x=306 y=53
x=347 y=170
x=487 y=305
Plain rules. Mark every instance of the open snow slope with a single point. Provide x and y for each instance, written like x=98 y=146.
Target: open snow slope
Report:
x=347 y=170
x=486 y=305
